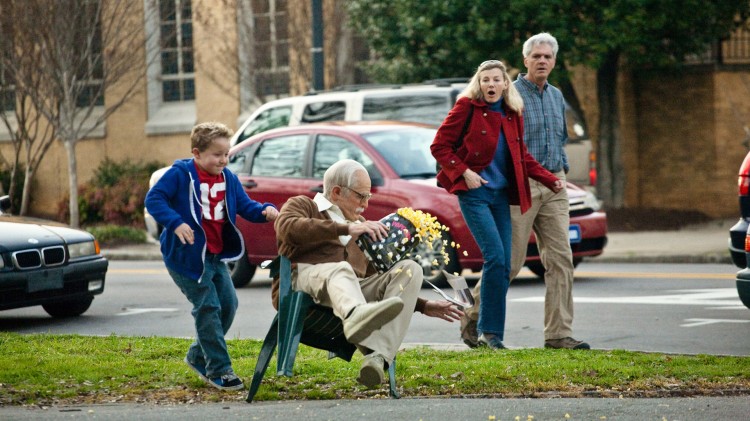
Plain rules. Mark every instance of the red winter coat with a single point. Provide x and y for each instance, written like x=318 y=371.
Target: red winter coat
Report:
x=478 y=150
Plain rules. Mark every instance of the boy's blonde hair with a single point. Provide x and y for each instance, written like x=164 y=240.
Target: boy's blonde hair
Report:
x=511 y=97
x=203 y=134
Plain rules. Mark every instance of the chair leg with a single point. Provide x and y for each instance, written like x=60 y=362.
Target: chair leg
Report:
x=266 y=352
x=392 y=380
x=292 y=313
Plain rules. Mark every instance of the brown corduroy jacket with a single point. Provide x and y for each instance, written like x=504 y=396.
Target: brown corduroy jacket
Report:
x=306 y=235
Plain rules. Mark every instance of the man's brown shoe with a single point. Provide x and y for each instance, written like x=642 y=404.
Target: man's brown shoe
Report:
x=566 y=343
x=469 y=332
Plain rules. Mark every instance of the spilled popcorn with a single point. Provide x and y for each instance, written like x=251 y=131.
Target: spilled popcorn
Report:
x=407 y=228
x=429 y=229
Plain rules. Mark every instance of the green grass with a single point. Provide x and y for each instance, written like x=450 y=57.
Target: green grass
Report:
x=64 y=369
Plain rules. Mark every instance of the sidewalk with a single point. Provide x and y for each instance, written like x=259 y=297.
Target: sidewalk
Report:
x=704 y=243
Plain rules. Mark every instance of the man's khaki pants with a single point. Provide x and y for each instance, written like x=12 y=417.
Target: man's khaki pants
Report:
x=335 y=285
x=550 y=219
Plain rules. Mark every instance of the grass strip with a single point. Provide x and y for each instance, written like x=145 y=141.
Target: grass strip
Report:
x=44 y=369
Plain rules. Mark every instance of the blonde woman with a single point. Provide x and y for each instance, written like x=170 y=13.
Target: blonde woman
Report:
x=488 y=169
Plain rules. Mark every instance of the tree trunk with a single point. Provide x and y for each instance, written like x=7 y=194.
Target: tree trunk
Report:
x=70 y=148
x=610 y=171
x=25 y=196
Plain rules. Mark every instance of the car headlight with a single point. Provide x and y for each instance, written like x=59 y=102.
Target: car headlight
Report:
x=584 y=203
x=87 y=248
x=591 y=201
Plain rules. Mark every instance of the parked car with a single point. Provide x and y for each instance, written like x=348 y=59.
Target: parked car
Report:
x=49 y=264
x=739 y=236
x=282 y=163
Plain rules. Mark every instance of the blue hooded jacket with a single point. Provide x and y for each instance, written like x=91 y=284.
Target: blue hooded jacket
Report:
x=175 y=199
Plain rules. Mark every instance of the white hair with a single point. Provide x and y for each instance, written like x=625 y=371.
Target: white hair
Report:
x=540 y=38
x=341 y=173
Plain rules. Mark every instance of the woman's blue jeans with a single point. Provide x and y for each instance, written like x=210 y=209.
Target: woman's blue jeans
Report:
x=214 y=306
x=487 y=213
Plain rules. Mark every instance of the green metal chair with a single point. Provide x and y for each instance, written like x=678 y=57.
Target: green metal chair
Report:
x=300 y=320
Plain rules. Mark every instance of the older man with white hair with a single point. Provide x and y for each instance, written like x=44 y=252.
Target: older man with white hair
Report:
x=319 y=236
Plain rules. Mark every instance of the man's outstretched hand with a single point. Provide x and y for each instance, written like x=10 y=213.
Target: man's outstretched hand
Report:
x=442 y=309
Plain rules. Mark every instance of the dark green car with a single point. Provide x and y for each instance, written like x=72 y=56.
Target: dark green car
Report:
x=48 y=264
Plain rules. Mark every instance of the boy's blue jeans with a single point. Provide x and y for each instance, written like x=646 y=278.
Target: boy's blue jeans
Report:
x=214 y=305
x=487 y=213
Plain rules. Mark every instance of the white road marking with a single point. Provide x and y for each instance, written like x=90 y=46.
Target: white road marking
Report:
x=703 y=322
x=133 y=311
x=716 y=297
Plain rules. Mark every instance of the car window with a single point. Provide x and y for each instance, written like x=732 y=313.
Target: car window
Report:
x=240 y=160
x=281 y=156
x=267 y=120
x=324 y=111
x=428 y=108
x=329 y=149
x=407 y=151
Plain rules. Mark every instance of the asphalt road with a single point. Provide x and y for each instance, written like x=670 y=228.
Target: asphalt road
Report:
x=610 y=409
x=672 y=308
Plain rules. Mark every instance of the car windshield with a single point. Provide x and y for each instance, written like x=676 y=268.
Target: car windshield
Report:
x=406 y=150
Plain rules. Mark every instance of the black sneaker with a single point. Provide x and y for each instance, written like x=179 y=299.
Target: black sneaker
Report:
x=200 y=370
x=491 y=341
x=227 y=382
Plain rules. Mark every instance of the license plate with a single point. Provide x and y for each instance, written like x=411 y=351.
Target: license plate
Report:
x=574 y=234
x=45 y=280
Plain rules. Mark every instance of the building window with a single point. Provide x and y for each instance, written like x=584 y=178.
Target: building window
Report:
x=266 y=46
x=169 y=66
x=271 y=47
x=91 y=72
x=176 y=43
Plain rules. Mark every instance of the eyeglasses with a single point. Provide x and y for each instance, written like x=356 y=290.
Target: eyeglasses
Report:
x=362 y=197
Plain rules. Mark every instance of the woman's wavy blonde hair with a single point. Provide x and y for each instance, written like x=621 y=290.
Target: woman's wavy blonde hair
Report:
x=510 y=95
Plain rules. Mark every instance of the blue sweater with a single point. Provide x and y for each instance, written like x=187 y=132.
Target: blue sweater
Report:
x=496 y=172
x=175 y=199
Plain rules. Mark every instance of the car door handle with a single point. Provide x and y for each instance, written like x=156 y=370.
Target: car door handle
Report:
x=317 y=189
x=249 y=184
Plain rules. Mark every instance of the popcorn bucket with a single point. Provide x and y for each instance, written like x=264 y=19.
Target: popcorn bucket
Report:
x=396 y=246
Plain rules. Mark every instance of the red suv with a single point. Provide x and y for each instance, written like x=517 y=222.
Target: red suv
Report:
x=286 y=162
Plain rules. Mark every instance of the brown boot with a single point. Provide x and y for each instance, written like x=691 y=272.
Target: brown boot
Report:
x=469 y=332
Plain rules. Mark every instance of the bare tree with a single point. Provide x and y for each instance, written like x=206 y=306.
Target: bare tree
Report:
x=19 y=77
x=89 y=60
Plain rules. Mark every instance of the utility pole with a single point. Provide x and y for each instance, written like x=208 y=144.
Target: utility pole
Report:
x=317 y=45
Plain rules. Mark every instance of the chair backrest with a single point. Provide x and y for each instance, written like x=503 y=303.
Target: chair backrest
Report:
x=321 y=328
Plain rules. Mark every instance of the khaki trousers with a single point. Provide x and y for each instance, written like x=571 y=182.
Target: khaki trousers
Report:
x=550 y=219
x=335 y=285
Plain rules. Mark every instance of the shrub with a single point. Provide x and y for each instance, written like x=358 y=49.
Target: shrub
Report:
x=114 y=195
x=116 y=234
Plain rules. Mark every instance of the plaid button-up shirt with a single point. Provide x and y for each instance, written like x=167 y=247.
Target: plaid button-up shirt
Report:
x=545 y=130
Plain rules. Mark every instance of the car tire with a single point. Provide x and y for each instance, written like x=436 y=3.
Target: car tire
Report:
x=70 y=308
x=537 y=268
x=241 y=271
x=424 y=255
